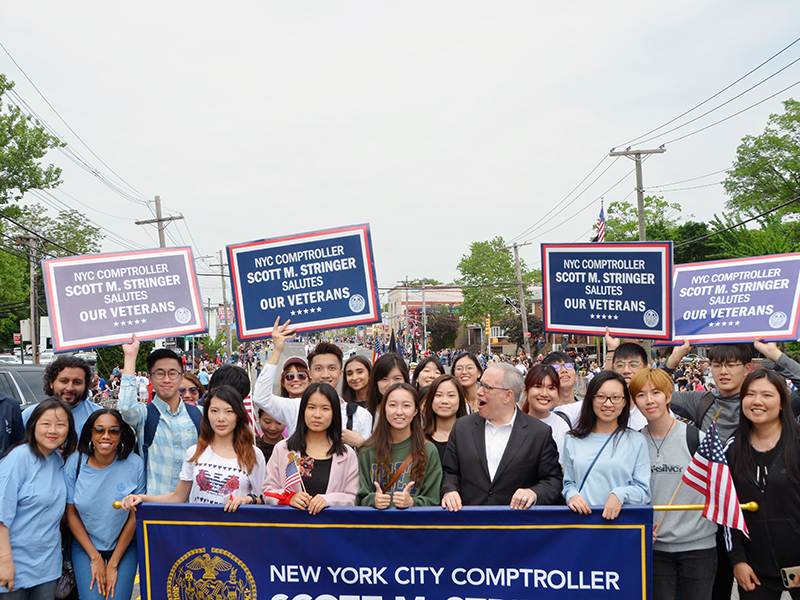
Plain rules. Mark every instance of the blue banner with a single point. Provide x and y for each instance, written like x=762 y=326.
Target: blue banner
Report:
x=623 y=285
x=319 y=280
x=191 y=552
x=738 y=300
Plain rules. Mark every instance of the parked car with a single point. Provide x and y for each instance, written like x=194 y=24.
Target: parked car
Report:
x=23 y=382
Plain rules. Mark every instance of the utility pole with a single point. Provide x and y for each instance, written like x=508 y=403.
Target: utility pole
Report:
x=160 y=221
x=523 y=311
x=221 y=266
x=637 y=156
x=31 y=242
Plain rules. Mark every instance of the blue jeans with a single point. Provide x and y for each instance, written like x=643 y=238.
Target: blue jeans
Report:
x=125 y=573
x=43 y=591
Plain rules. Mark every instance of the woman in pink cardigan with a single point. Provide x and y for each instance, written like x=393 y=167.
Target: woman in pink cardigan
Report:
x=318 y=467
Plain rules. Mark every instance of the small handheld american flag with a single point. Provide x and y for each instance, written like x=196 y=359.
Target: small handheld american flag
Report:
x=710 y=475
x=292 y=476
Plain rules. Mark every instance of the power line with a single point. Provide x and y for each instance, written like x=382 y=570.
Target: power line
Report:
x=690 y=179
x=694 y=187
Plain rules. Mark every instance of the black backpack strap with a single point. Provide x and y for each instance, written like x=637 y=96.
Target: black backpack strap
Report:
x=150 y=426
x=705 y=403
x=196 y=415
x=352 y=407
x=563 y=416
x=692 y=438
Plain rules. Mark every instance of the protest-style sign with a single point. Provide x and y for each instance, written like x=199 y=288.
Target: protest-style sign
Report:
x=738 y=300
x=319 y=280
x=102 y=299
x=192 y=551
x=623 y=285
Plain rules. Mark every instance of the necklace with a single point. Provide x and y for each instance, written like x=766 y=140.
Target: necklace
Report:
x=664 y=439
x=769 y=447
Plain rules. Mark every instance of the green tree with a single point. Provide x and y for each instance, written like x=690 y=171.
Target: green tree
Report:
x=443 y=327
x=488 y=276
x=622 y=219
x=773 y=236
x=512 y=325
x=425 y=280
x=110 y=356
x=766 y=171
x=23 y=141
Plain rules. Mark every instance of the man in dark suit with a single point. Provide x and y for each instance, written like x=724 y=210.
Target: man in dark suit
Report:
x=500 y=456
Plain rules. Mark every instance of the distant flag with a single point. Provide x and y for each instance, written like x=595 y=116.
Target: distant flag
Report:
x=710 y=475
x=376 y=351
x=292 y=476
x=601 y=226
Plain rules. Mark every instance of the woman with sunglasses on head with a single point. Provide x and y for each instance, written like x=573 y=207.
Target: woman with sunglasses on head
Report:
x=328 y=468
x=605 y=463
x=32 y=498
x=397 y=467
x=224 y=467
x=355 y=385
x=191 y=389
x=445 y=402
x=764 y=457
x=387 y=370
x=467 y=369
x=102 y=471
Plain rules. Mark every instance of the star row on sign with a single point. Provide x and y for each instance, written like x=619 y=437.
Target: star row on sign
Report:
x=305 y=311
x=723 y=324
x=137 y=321
x=604 y=317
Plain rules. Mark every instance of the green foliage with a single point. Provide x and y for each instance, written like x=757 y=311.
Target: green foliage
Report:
x=23 y=141
x=210 y=346
x=772 y=237
x=110 y=356
x=622 y=219
x=513 y=328
x=487 y=276
x=766 y=171
x=443 y=327
x=425 y=280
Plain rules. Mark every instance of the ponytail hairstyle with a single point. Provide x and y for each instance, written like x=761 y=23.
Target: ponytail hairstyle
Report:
x=242 y=436
x=381 y=439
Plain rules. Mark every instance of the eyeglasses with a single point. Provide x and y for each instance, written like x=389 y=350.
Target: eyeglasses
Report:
x=633 y=364
x=460 y=368
x=490 y=388
x=729 y=365
x=300 y=376
x=160 y=374
x=567 y=366
x=192 y=390
x=112 y=431
x=601 y=399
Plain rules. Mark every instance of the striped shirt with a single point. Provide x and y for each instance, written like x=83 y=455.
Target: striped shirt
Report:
x=174 y=435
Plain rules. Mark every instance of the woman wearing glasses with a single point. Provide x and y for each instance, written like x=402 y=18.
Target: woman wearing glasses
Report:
x=191 y=389
x=605 y=463
x=468 y=370
x=102 y=471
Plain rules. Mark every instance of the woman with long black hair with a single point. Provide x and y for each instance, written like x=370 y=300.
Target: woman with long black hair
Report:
x=387 y=370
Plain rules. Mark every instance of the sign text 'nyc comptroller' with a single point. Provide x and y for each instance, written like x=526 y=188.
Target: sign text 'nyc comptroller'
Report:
x=622 y=285
x=319 y=280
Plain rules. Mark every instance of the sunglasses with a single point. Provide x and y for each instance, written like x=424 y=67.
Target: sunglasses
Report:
x=300 y=376
x=567 y=366
x=192 y=390
x=112 y=431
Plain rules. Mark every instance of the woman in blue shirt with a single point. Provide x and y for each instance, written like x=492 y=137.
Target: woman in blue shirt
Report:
x=605 y=463
x=101 y=472
x=32 y=497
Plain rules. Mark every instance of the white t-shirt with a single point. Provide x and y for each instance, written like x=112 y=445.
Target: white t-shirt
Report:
x=214 y=478
x=559 y=428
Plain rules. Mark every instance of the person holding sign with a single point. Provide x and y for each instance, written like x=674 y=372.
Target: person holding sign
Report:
x=684 y=546
x=605 y=463
x=224 y=467
x=499 y=455
x=328 y=469
x=397 y=466
x=325 y=363
x=765 y=465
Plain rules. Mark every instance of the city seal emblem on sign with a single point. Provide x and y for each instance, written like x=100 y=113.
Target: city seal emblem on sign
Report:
x=183 y=315
x=357 y=303
x=651 y=318
x=777 y=320
x=203 y=575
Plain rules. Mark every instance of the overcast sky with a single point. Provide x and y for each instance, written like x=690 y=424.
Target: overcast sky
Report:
x=439 y=123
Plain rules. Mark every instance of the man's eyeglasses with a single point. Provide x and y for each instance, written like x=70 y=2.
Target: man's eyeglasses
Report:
x=490 y=388
x=160 y=374
x=728 y=365
x=633 y=364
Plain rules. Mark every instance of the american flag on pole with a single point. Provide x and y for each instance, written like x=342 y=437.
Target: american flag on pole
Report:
x=376 y=347
x=601 y=226
x=292 y=476
x=710 y=475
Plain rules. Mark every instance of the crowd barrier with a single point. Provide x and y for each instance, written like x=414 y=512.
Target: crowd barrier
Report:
x=191 y=552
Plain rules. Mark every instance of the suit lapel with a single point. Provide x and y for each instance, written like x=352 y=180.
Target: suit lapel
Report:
x=479 y=435
x=519 y=432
